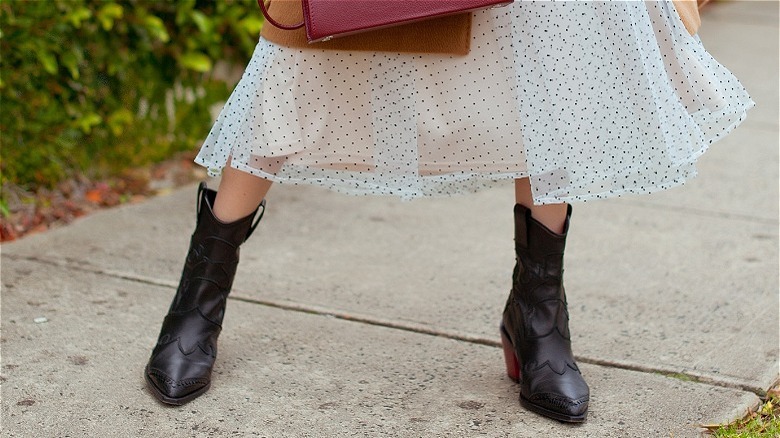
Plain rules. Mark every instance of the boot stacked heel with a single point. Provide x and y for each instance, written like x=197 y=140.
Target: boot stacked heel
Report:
x=510 y=357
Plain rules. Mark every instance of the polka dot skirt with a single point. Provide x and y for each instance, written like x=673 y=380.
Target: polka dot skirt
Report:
x=588 y=99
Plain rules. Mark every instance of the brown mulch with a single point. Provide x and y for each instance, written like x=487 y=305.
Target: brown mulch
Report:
x=30 y=212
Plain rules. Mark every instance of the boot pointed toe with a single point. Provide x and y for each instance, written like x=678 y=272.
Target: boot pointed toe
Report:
x=558 y=407
x=174 y=392
x=563 y=396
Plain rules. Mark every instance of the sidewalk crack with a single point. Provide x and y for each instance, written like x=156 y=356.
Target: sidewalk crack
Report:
x=686 y=375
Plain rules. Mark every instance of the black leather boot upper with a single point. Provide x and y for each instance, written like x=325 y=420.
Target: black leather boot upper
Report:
x=180 y=365
x=536 y=320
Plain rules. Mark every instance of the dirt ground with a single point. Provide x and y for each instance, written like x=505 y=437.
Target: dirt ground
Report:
x=26 y=212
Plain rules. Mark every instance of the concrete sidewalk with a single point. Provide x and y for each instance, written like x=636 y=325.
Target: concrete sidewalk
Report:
x=371 y=317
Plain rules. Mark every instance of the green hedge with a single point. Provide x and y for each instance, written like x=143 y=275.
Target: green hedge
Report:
x=96 y=86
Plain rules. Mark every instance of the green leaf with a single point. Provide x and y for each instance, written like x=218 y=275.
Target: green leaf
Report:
x=156 y=27
x=48 y=60
x=119 y=120
x=196 y=61
x=71 y=62
x=183 y=9
x=204 y=23
x=76 y=16
x=87 y=122
x=108 y=14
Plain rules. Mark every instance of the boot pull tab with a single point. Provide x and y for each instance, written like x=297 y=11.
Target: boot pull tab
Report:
x=201 y=187
x=522 y=219
x=261 y=209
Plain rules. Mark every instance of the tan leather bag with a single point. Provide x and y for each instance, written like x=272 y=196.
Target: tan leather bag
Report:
x=447 y=35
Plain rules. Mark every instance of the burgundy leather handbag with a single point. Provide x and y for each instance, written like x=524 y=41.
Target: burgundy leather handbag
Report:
x=327 y=19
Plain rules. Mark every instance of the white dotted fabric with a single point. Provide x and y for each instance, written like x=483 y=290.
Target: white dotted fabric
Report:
x=591 y=99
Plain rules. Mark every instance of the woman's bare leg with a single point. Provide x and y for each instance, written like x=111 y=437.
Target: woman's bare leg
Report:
x=552 y=216
x=239 y=194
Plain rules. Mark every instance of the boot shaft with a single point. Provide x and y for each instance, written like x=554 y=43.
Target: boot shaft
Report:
x=537 y=303
x=212 y=259
x=534 y=239
x=539 y=253
x=209 y=226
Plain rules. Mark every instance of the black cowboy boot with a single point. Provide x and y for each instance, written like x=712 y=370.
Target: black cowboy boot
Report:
x=535 y=326
x=179 y=369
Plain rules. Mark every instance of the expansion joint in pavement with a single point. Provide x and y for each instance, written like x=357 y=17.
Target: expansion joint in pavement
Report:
x=686 y=375
x=700 y=212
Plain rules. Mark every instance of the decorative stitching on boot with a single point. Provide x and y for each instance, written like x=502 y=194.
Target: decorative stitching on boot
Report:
x=177 y=383
x=572 y=366
x=558 y=401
